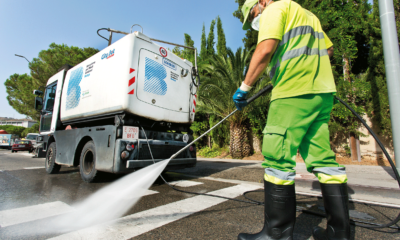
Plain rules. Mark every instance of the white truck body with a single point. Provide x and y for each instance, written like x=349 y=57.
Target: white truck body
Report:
x=129 y=105
x=133 y=75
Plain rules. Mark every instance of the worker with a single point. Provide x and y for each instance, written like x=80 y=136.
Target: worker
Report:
x=296 y=49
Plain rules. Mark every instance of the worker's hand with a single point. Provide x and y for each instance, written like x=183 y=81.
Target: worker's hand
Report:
x=239 y=98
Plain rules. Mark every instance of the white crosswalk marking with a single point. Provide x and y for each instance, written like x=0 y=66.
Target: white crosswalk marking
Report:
x=33 y=167
x=27 y=214
x=185 y=183
x=142 y=222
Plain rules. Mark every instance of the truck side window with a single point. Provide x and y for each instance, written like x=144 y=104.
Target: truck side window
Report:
x=49 y=98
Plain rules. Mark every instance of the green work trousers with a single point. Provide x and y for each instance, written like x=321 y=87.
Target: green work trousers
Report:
x=300 y=123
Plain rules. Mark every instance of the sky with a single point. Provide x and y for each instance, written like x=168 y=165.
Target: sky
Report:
x=30 y=26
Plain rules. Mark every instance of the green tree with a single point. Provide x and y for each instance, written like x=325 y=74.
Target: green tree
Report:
x=199 y=126
x=33 y=129
x=210 y=40
x=220 y=135
x=379 y=111
x=185 y=53
x=20 y=94
x=251 y=35
x=215 y=96
x=221 y=43
x=51 y=60
x=188 y=53
x=203 y=49
x=20 y=87
x=11 y=129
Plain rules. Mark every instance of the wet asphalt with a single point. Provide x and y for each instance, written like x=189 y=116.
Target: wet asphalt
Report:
x=20 y=187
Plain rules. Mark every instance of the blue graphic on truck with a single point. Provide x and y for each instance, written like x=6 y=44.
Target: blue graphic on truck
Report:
x=154 y=77
x=74 y=90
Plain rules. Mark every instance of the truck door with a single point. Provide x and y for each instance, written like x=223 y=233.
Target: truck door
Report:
x=51 y=103
x=48 y=107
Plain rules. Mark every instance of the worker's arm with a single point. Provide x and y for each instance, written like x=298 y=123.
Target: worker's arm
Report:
x=330 y=52
x=260 y=60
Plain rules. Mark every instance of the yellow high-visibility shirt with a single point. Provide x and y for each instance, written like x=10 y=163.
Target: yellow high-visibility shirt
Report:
x=300 y=64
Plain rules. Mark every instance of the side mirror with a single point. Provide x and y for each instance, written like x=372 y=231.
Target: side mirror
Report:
x=38 y=103
x=37 y=92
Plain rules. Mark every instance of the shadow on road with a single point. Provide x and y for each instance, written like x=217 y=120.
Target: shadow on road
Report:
x=228 y=170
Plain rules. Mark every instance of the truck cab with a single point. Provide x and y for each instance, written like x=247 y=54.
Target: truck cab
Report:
x=124 y=108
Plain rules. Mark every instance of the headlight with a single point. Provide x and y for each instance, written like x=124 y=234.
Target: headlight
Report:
x=124 y=155
x=185 y=138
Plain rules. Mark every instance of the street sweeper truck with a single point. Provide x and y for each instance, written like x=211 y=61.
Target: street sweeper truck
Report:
x=102 y=113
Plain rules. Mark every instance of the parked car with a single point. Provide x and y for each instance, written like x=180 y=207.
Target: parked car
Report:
x=22 y=145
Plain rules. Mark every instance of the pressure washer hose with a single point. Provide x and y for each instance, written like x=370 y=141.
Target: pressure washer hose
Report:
x=252 y=201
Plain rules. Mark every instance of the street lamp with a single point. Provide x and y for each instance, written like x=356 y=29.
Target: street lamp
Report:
x=22 y=57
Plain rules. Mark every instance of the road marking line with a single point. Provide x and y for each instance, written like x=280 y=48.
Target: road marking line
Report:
x=150 y=192
x=185 y=183
x=33 y=167
x=31 y=213
x=142 y=222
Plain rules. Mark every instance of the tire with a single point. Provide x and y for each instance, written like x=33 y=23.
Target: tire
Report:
x=51 y=166
x=12 y=151
x=87 y=163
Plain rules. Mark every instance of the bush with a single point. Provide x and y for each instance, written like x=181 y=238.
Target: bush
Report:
x=212 y=152
x=33 y=129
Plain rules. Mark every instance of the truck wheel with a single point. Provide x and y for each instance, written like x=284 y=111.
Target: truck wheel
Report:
x=51 y=166
x=87 y=163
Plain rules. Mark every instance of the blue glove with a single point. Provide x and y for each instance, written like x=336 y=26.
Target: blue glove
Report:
x=239 y=98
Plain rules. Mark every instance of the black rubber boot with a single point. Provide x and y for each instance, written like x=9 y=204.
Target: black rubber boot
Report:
x=280 y=213
x=336 y=202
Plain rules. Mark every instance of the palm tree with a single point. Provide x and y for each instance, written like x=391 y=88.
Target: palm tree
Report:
x=224 y=76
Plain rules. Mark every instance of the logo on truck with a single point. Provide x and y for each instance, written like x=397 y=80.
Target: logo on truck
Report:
x=108 y=55
x=74 y=90
x=154 y=77
x=169 y=64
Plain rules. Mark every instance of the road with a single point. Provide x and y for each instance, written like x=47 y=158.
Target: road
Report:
x=31 y=199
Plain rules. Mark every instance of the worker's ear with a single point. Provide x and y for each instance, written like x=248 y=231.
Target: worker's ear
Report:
x=263 y=3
